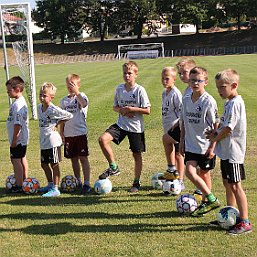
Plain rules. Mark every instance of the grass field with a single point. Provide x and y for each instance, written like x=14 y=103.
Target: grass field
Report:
x=121 y=224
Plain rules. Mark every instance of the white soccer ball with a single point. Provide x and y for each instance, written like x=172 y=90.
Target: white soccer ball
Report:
x=186 y=204
x=30 y=185
x=10 y=182
x=103 y=186
x=171 y=187
x=69 y=184
x=227 y=217
x=156 y=182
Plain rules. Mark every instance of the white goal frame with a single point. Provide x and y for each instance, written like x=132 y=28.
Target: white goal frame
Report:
x=141 y=51
x=23 y=49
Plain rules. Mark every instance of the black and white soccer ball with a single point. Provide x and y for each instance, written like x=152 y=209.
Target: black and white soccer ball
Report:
x=69 y=184
x=186 y=204
x=10 y=182
x=30 y=185
x=156 y=182
x=171 y=187
x=227 y=217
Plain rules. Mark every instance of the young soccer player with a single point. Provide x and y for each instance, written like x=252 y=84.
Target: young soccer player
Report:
x=49 y=116
x=230 y=140
x=171 y=109
x=199 y=113
x=18 y=131
x=74 y=131
x=131 y=102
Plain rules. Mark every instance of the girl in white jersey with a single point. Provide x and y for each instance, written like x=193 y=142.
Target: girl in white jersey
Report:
x=231 y=146
x=49 y=116
x=199 y=113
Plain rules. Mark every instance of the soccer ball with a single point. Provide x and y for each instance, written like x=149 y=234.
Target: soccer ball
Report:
x=155 y=182
x=171 y=187
x=103 y=186
x=30 y=185
x=227 y=217
x=69 y=184
x=186 y=204
x=10 y=182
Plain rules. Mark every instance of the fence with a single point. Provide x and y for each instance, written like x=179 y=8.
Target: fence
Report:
x=57 y=59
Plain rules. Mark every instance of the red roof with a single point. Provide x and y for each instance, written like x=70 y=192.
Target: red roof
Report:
x=10 y=17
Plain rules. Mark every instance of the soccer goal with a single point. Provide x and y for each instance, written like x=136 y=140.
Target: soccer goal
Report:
x=16 y=26
x=141 y=51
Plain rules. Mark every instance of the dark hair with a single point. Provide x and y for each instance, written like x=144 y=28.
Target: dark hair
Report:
x=16 y=82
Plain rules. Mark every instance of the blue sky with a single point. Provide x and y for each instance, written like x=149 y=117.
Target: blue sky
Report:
x=32 y=2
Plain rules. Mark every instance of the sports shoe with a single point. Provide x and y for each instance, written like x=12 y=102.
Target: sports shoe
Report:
x=169 y=175
x=195 y=214
x=109 y=172
x=16 y=189
x=135 y=188
x=240 y=228
x=198 y=195
x=85 y=189
x=206 y=207
x=52 y=193
x=44 y=189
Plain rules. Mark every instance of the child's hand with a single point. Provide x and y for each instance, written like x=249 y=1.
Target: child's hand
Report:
x=209 y=153
x=126 y=111
x=210 y=134
x=74 y=87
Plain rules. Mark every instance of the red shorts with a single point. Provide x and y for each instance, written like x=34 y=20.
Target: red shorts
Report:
x=76 y=146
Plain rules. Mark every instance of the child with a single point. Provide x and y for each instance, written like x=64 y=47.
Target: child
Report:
x=199 y=113
x=49 y=117
x=74 y=131
x=131 y=102
x=231 y=146
x=171 y=109
x=18 y=131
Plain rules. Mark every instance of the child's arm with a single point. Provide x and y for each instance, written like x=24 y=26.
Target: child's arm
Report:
x=182 y=138
x=210 y=151
x=130 y=110
x=16 y=132
x=215 y=136
x=75 y=89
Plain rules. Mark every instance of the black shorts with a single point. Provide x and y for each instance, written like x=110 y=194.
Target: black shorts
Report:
x=202 y=161
x=76 y=146
x=52 y=155
x=175 y=133
x=18 y=152
x=136 y=140
x=233 y=172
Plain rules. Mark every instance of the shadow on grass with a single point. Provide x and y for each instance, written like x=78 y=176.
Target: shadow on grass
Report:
x=89 y=215
x=66 y=227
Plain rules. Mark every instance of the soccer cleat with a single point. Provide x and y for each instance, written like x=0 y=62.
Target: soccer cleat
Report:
x=240 y=228
x=16 y=189
x=109 y=172
x=135 y=188
x=195 y=214
x=52 y=193
x=169 y=175
x=206 y=207
x=198 y=195
x=86 y=189
x=44 y=189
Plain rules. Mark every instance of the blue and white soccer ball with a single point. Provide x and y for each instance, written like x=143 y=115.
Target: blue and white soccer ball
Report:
x=156 y=182
x=10 y=182
x=171 y=187
x=103 y=186
x=227 y=217
x=186 y=204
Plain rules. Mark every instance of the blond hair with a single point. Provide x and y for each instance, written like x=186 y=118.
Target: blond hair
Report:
x=199 y=70
x=130 y=65
x=72 y=77
x=186 y=62
x=170 y=69
x=228 y=76
x=48 y=88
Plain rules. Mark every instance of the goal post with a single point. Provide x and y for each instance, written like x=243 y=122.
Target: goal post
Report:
x=16 y=25
x=141 y=51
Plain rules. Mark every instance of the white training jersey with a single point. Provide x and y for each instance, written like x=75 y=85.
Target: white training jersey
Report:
x=233 y=146
x=171 y=108
x=48 y=120
x=18 y=115
x=136 y=97
x=188 y=91
x=77 y=125
x=198 y=117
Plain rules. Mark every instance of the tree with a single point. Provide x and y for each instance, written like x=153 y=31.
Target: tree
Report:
x=58 y=17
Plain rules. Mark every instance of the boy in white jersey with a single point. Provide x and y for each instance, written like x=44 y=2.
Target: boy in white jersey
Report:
x=49 y=116
x=171 y=109
x=18 y=131
x=199 y=113
x=231 y=146
x=74 y=131
x=131 y=102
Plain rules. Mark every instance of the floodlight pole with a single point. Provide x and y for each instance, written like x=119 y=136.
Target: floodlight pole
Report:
x=4 y=49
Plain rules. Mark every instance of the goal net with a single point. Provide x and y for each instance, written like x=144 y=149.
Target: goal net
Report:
x=15 y=24
x=141 y=51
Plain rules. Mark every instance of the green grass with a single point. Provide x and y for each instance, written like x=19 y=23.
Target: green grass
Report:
x=120 y=224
